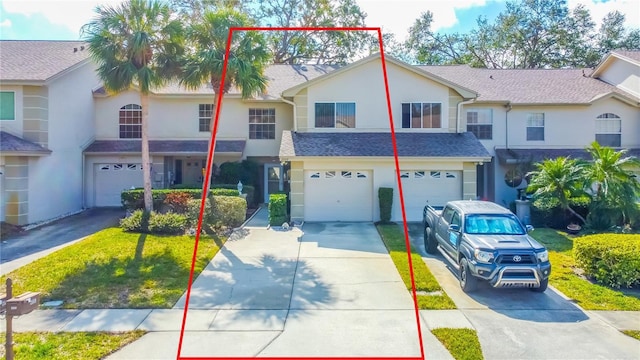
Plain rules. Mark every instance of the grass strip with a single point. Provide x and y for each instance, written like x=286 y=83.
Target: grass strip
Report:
x=393 y=238
x=633 y=333
x=69 y=345
x=463 y=344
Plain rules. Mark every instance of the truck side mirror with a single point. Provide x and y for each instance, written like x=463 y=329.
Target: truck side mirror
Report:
x=454 y=228
x=529 y=228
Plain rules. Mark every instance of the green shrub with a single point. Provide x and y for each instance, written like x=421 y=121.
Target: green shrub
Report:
x=246 y=171
x=611 y=259
x=548 y=213
x=228 y=211
x=278 y=209
x=138 y=221
x=134 y=199
x=193 y=212
x=224 y=192
x=246 y=189
x=169 y=223
x=385 y=196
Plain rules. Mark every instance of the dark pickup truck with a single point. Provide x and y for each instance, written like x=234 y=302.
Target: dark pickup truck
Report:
x=485 y=241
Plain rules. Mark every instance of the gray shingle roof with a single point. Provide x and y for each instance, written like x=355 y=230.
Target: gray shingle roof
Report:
x=631 y=54
x=280 y=78
x=165 y=146
x=380 y=144
x=38 y=60
x=536 y=155
x=11 y=143
x=528 y=86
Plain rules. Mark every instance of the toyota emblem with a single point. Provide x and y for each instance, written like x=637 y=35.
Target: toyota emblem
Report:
x=517 y=258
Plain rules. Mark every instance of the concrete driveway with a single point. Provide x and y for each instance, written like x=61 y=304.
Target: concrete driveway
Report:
x=521 y=324
x=328 y=290
x=21 y=249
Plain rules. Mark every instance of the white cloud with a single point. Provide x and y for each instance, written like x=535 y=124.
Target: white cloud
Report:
x=5 y=23
x=70 y=13
x=398 y=15
x=598 y=10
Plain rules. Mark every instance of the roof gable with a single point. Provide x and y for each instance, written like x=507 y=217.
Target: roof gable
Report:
x=465 y=92
x=39 y=61
x=630 y=56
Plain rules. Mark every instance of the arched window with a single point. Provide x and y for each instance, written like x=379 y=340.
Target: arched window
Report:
x=609 y=130
x=131 y=121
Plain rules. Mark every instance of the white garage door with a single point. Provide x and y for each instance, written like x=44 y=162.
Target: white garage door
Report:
x=338 y=195
x=111 y=179
x=421 y=187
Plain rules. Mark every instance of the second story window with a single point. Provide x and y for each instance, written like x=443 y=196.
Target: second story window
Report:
x=535 y=127
x=262 y=123
x=421 y=115
x=609 y=130
x=131 y=121
x=336 y=115
x=480 y=123
x=204 y=117
x=7 y=105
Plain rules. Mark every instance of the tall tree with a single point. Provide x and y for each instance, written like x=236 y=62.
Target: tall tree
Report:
x=248 y=55
x=559 y=180
x=527 y=34
x=328 y=47
x=136 y=45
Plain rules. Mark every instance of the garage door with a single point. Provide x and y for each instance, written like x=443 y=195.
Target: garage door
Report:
x=111 y=179
x=428 y=186
x=338 y=195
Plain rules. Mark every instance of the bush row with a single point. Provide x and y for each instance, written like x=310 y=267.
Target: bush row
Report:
x=246 y=189
x=548 y=213
x=611 y=259
x=220 y=211
x=169 y=198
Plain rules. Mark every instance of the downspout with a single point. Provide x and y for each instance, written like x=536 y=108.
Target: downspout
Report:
x=506 y=125
x=295 y=113
x=84 y=189
x=459 y=111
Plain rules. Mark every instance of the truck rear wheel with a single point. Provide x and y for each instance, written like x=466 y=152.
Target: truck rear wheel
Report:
x=468 y=282
x=430 y=244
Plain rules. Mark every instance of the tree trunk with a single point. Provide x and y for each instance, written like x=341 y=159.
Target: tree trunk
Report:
x=146 y=161
x=206 y=183
x=574 y=213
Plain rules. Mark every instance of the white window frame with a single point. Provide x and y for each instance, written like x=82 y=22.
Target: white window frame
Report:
x=531 y=124
x=262 y=125
x=603 y=122
x=483 y=117
x=335 y=114
x=204 y=120
x=422 y=116
x=129 y=108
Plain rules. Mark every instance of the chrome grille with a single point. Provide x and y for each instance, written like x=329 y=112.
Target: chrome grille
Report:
x=508 y=259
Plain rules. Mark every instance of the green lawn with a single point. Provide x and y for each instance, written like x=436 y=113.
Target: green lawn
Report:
x=116 y=269
x=632 y=333
x=393 y=237
x=463 y=344
x=588 y=295
x=68 y=346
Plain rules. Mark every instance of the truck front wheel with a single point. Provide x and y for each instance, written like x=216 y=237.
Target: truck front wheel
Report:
x=468 y=282
x=430 y=244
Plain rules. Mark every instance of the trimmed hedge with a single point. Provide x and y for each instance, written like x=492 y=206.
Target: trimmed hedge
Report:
x=547 y=213
x=154 y=223
x=134 y=199
x=611 y=259
x=278 y=209
x=385 y=195
x=228 y=211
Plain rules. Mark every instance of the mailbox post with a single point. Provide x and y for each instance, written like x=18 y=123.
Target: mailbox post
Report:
x=15 y=306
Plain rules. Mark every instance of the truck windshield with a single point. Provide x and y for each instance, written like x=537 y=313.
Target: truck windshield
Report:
x=493 y=224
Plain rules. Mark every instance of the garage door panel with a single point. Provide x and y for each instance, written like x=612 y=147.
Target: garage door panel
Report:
x=338 y=195
x=433 y=187
x=111 y=179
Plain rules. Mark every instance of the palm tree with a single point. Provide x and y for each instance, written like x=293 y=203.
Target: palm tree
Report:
x=560 y=179
x=248 y=56
x=136 y=45
x=614 y=184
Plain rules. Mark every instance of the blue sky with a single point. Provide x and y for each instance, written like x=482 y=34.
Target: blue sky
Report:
x=62 y=19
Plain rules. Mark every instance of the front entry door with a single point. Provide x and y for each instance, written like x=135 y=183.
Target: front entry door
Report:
x=272 y=180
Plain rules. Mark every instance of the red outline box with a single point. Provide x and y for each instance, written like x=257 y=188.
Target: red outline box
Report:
x=208 y=174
